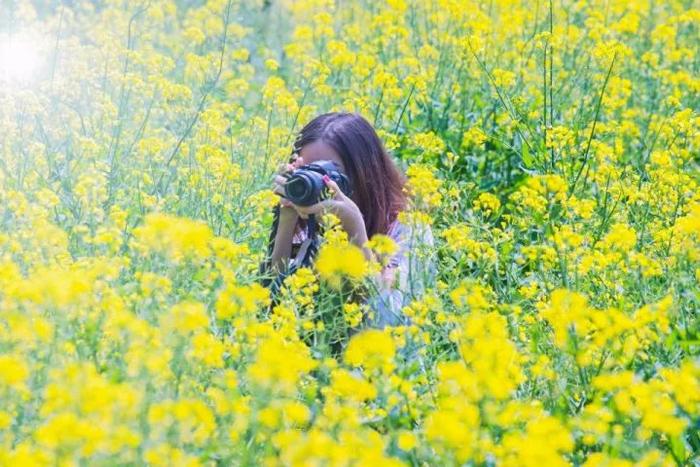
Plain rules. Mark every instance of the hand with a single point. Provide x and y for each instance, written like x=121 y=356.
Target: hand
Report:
x=338 y=203
x=279 y=180
x=342 y=206
x=287 y=220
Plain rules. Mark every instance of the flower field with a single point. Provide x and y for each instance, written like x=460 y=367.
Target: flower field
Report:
x=552 y=147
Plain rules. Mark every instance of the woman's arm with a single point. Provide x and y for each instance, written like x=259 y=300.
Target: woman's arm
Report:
x=354 y=224
x=287 y=221
x=282 y=249
x=342 y=206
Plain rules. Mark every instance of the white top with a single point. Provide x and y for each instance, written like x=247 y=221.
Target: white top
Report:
x=415 y=271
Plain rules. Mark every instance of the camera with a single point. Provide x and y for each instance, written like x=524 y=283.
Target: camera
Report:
x=304 y=186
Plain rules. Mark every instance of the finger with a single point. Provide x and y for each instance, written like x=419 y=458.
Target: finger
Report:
x=305 y=210
x=315 y=209
x=322 y=207
x=278 y=185
x=328 y=205
x=278 y=189
x=283 y=167
x=299 y=209
x=337 y=192
x=286 y=203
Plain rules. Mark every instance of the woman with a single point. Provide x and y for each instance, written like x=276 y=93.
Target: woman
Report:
x=373 y=207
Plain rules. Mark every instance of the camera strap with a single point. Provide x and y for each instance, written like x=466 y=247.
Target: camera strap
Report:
x=309 y=247
x=304 y=256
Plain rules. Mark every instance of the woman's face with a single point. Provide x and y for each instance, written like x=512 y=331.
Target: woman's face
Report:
x=320 y=151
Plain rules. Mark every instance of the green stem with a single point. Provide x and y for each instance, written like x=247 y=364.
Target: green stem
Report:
x=595 y=120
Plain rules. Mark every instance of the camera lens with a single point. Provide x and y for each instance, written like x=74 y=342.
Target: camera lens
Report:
x=297 y=189
x=304 y=187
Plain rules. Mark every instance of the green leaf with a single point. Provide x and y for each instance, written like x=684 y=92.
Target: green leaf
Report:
x=527 y=157
x=678 y=448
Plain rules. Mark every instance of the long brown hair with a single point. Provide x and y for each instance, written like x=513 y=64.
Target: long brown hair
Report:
x=377 y=184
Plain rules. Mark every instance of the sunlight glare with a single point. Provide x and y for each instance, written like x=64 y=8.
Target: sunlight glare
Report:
x=18 y=58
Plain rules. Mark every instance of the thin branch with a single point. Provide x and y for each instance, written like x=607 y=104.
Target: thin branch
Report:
x=403 y=108
x=595 y=120
x=202 y=101
x=510 y=111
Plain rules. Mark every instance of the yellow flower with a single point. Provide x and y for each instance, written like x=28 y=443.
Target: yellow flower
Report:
x=208 y=350
x=487 y=203
x=382 y=245
x=371 y=349
x=424 y=186
x=295 y=413
x=406 y=441
x=429 y=143
x=179 y=238
x=238 y=301
x=336 y=260
x=473 y=137
x=279 y=365
x=271 y=64
x=353 y=313
x=195 y=35
x=187 y=317
x=621 y=237
x=13 y=371
x=347 y=385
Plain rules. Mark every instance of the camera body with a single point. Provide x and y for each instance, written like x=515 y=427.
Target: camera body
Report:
x=304 y=186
